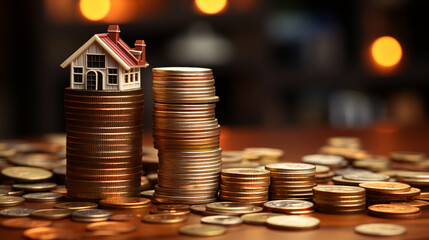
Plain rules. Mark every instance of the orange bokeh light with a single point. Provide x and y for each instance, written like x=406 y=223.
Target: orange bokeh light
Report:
x=211 y=7
x=386 y=51
x=94 y=10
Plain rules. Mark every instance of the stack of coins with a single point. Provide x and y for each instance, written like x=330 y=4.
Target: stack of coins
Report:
x=323 y=174
x=385 y=192
x=291 y=180
x=374 y=163
x=415 y=179
x=409 y=160
x=289 y=206
x=348 y=147
x=104 y=143
x=337 y=199
x=249 y=185
x=186 y=134
x=262 y=155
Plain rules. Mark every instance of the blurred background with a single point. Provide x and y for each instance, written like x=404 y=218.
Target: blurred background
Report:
x=344 y=64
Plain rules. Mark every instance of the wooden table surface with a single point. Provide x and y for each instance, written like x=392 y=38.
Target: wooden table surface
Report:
x=295 y=142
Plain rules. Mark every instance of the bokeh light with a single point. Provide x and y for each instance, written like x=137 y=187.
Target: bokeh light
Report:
x=386 y=51
x=94 y=10
x=211 y=6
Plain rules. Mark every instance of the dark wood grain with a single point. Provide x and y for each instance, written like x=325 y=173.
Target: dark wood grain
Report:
x=295 y=142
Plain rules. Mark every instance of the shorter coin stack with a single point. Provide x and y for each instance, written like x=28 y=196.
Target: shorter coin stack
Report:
x=348 y=147
x=323 y=174
x=385 y=192
x=291 y=180
x=186 y=134
x=248 y=185
x=337 y=199
x=104 y=143
x=262 y=155
x=415 y=179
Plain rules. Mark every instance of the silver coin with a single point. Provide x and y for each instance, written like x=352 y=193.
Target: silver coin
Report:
x=91 y=213
x=380 y=229
x=222 y=220
x=16 y=212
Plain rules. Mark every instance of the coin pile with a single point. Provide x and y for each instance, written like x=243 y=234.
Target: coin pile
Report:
x=323 y=174
x=385 y=192
x=262 y=155
x=249 y=185
x=415 y=161
x=337 y=199
x=104 y=143
x=291 y=180
x=186 y=134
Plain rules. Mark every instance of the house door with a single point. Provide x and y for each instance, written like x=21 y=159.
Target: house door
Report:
x=99 y=81
x=91 y=81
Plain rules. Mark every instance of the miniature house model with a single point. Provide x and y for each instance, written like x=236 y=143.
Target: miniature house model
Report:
x=105 y=62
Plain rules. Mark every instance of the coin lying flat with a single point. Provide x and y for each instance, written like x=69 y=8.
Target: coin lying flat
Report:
x=23 y=223
x=91 y=215
x=119 y=227
x=16 y=212
x=385 y=186
x=8 y=201
x=288 y=206
x=27 y=173
x=293 y=222
x=43 y=197
x=258 y=218
x=51 y=214
x=164 y=218
x=38 y=233
x=366 y=177
x=76 y=205
x=222 y=220
x=203 y=230
x=380 y=229
x=34 y=187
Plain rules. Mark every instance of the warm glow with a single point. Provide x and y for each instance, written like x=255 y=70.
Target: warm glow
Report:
x=94 y=10
x=211 y=6
x=386 y=51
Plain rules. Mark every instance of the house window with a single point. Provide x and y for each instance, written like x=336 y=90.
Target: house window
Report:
x=113 y=75
x=96 y=61
x=136 y=77
x=126 y=78
x=78 y=74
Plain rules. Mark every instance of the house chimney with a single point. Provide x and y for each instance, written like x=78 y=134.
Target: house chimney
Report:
x=140 y=45
x=114 y=31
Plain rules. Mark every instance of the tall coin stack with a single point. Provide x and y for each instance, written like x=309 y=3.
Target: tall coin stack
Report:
x=104 y=143
x=291 y=181
x=186 y=134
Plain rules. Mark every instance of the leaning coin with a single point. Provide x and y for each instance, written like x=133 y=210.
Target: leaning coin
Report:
x=8 y=201
x=222 y=220
x=23 y=223
x=43 y=197
x=293 y=222
x=51 y=214
x=203 y=230
x=380 y=229
x=16 y=212
x=258 y=218
x=76 y=205
x=164 y=218
x=119 y=227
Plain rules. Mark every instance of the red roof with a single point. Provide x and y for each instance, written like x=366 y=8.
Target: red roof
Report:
x=121 y=49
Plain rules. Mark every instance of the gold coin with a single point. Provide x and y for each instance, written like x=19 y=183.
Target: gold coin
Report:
x=222 y=220
x=338 y=190
x=76 y=205
x=119 y=227
x=385 y=186
x=43 y=197
x=27 y=173
x=380 y=229
x=34 y=187
x=293 y=222
x=8 y=201
x=203 y=230
x=258 y=218
x=51 y=214
x=164 y=218
x=393 y=209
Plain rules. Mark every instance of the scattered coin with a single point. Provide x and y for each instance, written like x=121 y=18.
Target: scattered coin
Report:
x=76 y=205
x=164 y=218
x=324 y=160
x=415 y=203
x=91 y=215
x=293 y=222
x=222 y=220
x=380 y=229
x=34 y=187
x=289 y=206
x=43 y=197
x=51 y=214
x=366 y=177
x=16 y=212
x=202 y=230
x=125 y=202
x=8 y=201
x=258 y=218
x=394 y=210
x=119 y=227
x=385 y=186
x=27 y=174
x=23 y=223
x=233 y=208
